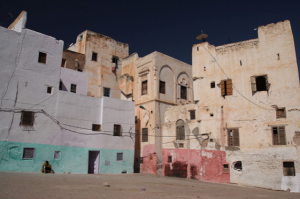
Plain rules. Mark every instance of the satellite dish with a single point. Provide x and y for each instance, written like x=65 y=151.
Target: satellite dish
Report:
x=202 y=36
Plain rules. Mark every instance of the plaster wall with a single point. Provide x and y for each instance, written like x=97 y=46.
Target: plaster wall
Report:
x=68 y=77
x=74 y=60
x=19 y=23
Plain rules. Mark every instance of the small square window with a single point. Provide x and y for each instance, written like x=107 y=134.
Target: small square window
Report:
x=27 y=118
x=169 y=159
x=280 y=113
x=162 y=87
x=42 y=58
x=96 y=127
x=94 y=56
x=119 y=156
x=212 y=85
x=28 y=153
x=56 y=154
x=225 y=168
x=106 y=92
x=117 y=130
x=49 y=90
x=141 y=160
x=233 y=137
x=238 y=165
x=279 y=135
x=181 y=145
x=259 y=83
x=115 y=60
x=73 y=88
x=193 y=114
x=288 y=169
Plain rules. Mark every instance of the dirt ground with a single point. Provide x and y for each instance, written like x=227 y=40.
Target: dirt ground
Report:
x=43 y=186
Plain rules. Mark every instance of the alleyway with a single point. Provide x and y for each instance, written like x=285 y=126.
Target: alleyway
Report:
x=44 y=186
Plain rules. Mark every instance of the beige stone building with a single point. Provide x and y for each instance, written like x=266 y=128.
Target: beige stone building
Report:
x=102 y=62
x=245 y=124
x=154 y=82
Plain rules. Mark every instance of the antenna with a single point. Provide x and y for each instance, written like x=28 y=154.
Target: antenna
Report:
x=202 y=36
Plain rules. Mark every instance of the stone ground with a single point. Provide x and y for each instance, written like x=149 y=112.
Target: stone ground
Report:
x=43 y=186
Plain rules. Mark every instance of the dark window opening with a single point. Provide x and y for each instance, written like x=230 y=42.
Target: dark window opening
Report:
x=28 y=153
x=193 y=114
x=94 y=56
x=280 y=113
x=180 y=134
x=145 y=135
x=144 y=87
x=162 y=87
x=169 y=159
x=73 y=88
x=96 y=127
x=136 y=119
x=115 y=60
x=63 y=63
x=27 y=118
x=181 y=145
x=288 y=169
x=279 y=135
x=49 y=89
x=117 y=130
x=106 y=92
x=119 y=156
x=238 y=165
x=56 y=154
x=211 y=115
x=42 y=57
x=241 y=63
x=226 y=87
x=183 y=92
x=60 y=85
x=233 y=137
x=197 y=48
x=211 y=140
x=80 y=38
x=212 y=85
x=278 y=56
x=141 y=160
x=259 y=83
x=225 y=168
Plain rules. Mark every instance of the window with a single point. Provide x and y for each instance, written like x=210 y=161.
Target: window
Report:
x=63 y=63
x=27 y=118
x=115 y=60
x=180 y=134
x=28 y=153
x=259 y=83
x=226 y=87
x=233 y=137
x=117 y=130
x=80 y=38
x=141 y=160
x=162 y=87
x=144 y=87
x=73 y=88
x=106 y=92
x=96 y=127
x=192 y=114
x=49 y=89
x=183 y=92
x=135 y=118
x=145 y=135
x=279 y=135
x=225 y=168
x=42 y=58
x=212 y=85
x=181 y=145
x=119 y=156
x=169 y=159
x=238 y=165
x=241 y=63
x=56 y=154
x=60 y=85
x=278 y=56
x=280 y=113
x=288 y=169
x=94 y=56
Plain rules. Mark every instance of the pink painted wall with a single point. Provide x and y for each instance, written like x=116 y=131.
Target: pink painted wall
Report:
x=149 y=161
x=205 y=165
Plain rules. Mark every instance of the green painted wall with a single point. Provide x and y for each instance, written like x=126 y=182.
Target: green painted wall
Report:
x=73 y=159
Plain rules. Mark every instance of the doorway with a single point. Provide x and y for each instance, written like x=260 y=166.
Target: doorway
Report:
x=93 y=164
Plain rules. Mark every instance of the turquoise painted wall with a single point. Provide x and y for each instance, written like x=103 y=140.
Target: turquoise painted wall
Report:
x=73 y=159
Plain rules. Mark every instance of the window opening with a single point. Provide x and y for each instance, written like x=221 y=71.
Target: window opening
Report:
x=115 y=60
x=169 y=159
x=145 y=135
x=183 y=93
x=278 y=56
x=259 y=83
x=27 y=118
x=63 y=63
x=49 y=89
x=238 y=165
x=241 y=63
x=197 y=48
x=42 y=58
x=60 y=85
x=96 y=127
x=280 y=113
x=119 y=156
x=28 y=153
x=211 y=115
x=73 y=88
x=288 y=169
x=212 y=85
x=135 y=119
x=204 y=68
x=225 y=168
x=117 y=130
x=141 y=160
x=144 y=87
x=106 y=92
x=192 y=114
x=180 y=134
x=233 y=137
x=162 y=87
x=226 y=87
x=56 y=154
x=80 y=38
x=181 y=145
x=94 y=56
x=279 y=135
x=211 y=140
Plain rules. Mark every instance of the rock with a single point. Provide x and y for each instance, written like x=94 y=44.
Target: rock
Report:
x=106 y=184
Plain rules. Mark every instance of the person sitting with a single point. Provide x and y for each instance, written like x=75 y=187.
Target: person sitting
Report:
x=46 y=167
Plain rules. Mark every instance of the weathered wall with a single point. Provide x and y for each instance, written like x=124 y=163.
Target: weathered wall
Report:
x=68 y=77
x=74 y=60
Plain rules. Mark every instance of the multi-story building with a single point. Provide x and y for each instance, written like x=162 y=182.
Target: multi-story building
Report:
x=244 y=125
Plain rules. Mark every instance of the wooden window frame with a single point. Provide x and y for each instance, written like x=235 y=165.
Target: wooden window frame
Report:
x=162 y=87
x=96 y=127
x=234 y=138
x=144 y=87
x=25 y=121
x=225 y=168
x=117 y=130
x=279 y=114
x=145 y=135
x=94 y=56
x=226 y=87
x=280 y=137
x=254 y=84
x=42 y=58
x=288 y=168
x=192 y=114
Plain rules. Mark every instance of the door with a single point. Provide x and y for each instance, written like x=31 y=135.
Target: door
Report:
x=94 y=157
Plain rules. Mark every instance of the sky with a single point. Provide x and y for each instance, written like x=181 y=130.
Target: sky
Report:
x=167 y=26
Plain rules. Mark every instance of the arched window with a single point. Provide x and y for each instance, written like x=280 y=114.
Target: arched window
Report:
x=180 y=134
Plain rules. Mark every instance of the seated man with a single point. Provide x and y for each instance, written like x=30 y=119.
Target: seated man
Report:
x=46 y=168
